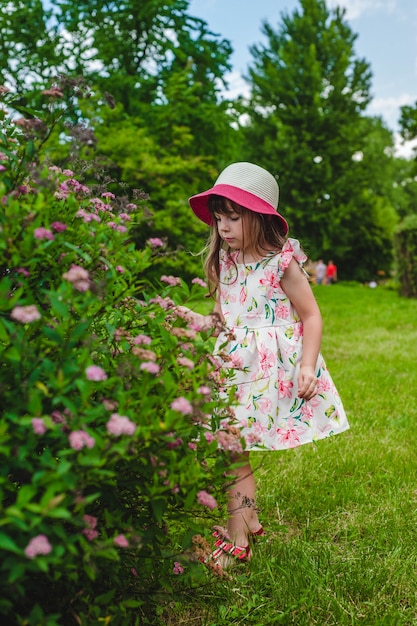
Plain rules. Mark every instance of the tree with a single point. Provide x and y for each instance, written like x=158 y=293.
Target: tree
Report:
x=307 y=125
x=161 y=71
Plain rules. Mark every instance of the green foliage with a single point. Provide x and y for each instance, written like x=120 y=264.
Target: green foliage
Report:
x=106 y=400
x=309 y=92
x=406 y=255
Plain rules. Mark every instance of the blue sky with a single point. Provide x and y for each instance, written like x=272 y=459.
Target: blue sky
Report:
x=387 y=40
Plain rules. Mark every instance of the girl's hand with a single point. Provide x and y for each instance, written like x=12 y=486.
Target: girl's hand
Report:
x=307 y=383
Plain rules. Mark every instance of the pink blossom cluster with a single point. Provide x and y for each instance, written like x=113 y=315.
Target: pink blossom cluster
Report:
x=90 y=532
x=53 y=92
x=173 y=281
x=43 y=233
x=182 y=405
x=79 y=277
x=38 y=426
x=58 y=227
x=25 y=314
x=38 y=545
x=199 y=281
x=176 y=443
x=121 y=542
x=79 y=439
x=118 y=227
x=87 y=216
x=178 y=568
x=182 y=360
x=150 y=367
x=65 y=188
x=23 y=271
x=120 y=425
x=207 y=500
x=230 y=440
x=164 y=303
x=101 y=206
x=142 y=339
x=96 y=373
x=155 y=242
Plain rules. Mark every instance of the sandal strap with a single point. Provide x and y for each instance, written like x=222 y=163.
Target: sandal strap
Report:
x=226 y=547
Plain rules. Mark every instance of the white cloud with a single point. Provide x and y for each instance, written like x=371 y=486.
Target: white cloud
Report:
x=356 y=8
x=389 y=108
x=236 y=86
x=406 y=149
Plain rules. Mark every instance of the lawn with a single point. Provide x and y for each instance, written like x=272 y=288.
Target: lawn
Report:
x=340 y=516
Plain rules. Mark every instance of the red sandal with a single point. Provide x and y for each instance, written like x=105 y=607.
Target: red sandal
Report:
x=230 y=549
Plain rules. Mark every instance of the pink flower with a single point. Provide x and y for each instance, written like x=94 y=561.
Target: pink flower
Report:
x=120 y=425
x=198 y=281
x=79 y=277
x=108 y=194
x=38 y=426
x=209 y=437
x=134 y=572
x=79 y=439
x=96 y=373
x=59 y=227
x=23 y=271
x=192 y=445
x=164 y=303
x=182 y=405
x=155 y=242
x=38 y=545
x=90 y=520
x=149 y=366
x=290 y=436
x=121 y=541
x=90 y=534
x=178 y=569
x=204 y=390
x=182 y=360
x=173 y=281
x=54 y=92
x=284 y=386
x=43 y=233
x=142 y=339
x=120 y=269
x=25 y=314
x=207 y=500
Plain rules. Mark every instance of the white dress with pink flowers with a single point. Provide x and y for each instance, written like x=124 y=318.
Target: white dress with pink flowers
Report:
x=262 y=346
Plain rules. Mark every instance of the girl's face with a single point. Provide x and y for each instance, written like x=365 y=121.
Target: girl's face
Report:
x=230 y=228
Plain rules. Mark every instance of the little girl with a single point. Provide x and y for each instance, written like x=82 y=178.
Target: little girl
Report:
x=271 y=337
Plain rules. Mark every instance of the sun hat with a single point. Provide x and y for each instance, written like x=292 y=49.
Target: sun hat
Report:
x=247 y=184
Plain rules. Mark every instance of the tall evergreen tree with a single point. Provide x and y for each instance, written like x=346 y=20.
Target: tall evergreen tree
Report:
x=307 y=125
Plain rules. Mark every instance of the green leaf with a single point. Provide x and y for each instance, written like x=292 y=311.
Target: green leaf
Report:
x=6 y=543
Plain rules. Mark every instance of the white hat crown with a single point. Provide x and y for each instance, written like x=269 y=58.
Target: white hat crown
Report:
x=253 y=179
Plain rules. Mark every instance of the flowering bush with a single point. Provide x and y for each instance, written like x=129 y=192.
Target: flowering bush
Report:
x=109 y=459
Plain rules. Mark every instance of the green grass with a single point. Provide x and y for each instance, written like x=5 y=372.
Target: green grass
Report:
x=340 y=516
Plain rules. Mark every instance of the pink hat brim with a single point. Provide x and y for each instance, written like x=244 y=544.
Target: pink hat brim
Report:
x=199 y=203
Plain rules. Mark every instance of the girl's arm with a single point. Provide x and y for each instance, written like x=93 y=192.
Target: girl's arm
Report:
x=298 y=290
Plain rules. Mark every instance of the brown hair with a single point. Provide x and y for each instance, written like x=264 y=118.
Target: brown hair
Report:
x=262 y=233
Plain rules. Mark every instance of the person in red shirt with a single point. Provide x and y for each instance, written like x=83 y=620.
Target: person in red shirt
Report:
x=331 y=273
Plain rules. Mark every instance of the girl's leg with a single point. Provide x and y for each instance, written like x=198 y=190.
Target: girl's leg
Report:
x=243 y=515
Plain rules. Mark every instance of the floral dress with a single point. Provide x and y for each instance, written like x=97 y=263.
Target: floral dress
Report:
x=261 y=350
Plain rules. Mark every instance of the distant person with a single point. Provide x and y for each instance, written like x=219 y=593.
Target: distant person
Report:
x=320 y=271
x=331 y=273
x=269 y=339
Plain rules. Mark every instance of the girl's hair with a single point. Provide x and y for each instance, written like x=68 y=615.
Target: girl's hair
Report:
x=261 y=234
